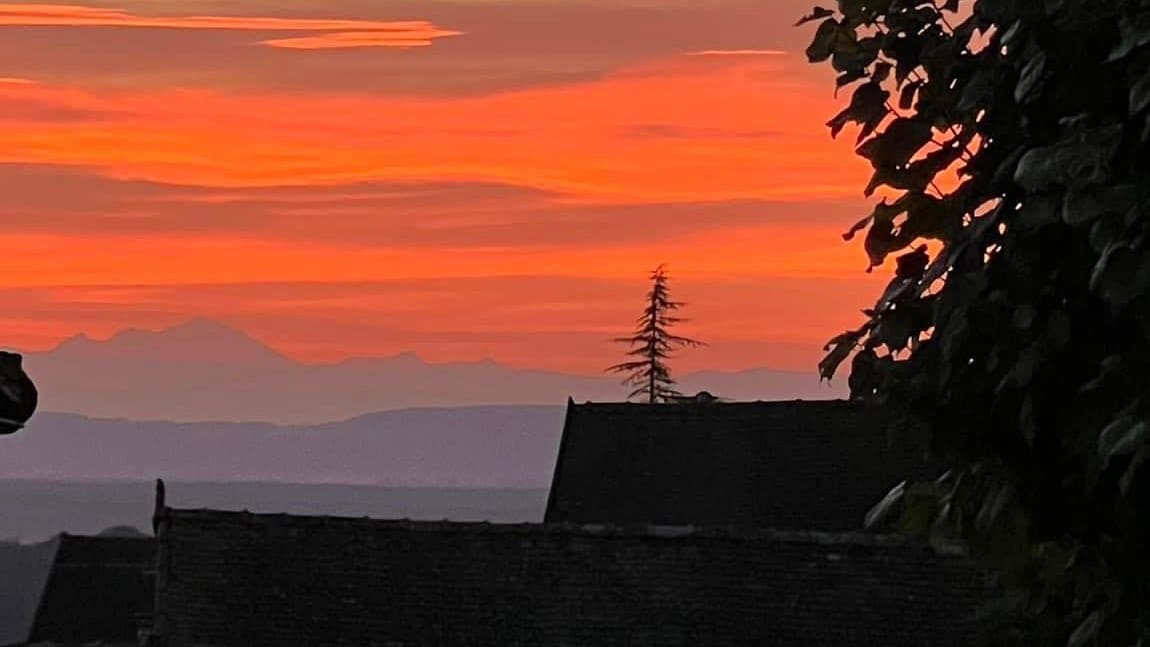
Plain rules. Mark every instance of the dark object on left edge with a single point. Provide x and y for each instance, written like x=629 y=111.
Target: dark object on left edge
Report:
x=18 y=395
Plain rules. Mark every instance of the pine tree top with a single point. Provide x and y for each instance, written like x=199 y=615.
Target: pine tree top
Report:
x=652 y=343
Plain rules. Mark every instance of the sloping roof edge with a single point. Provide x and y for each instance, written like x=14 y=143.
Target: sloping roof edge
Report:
x=56 y=541
x=712 y=404
x=564 y=439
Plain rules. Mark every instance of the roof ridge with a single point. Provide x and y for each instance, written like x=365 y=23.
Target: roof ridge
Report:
x=655 y=531
x=714 y=404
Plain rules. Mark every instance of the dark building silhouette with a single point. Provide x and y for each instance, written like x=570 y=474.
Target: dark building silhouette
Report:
x=99 y=591
x=252 y=580
x=816 y=465
x=692 y=523
x=24 y=571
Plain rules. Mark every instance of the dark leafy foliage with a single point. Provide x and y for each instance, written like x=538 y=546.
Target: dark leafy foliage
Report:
x=652 y=344
x=18 y=394
x=1023 y=341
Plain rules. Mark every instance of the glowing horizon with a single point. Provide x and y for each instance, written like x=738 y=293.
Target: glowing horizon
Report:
x=346 y=184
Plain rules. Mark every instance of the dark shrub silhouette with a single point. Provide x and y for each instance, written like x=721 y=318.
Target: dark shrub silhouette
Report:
x=18 y=395
x=1016 y=136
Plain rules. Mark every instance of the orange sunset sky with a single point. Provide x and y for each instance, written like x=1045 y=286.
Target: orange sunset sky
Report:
x=464 y=179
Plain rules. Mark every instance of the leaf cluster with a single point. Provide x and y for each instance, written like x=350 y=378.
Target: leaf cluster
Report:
x=1022 y=342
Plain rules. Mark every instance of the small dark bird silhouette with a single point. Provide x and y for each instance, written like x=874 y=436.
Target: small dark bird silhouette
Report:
x=18 y=394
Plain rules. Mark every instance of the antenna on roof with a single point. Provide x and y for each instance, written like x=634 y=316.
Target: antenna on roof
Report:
x=160 y=504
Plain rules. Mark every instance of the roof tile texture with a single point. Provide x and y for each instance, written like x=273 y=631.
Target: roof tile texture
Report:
x=791 y=465
x=276 y=580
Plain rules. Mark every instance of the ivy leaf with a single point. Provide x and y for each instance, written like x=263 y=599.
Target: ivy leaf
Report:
x=895 y=291
x=880 y=241
x=913 y=264
x=856 y=228
x=852 y=55
x=1029 y=78
x=881 y=71
x=1127 y=480
x=1078 y=161
x=1104 y=233
x=1008 y=167
x=867 y=106
x=898 y=143
x=1086 y=631
x=992 y=506
x=868 y=372
x=884 y=510
x=822 y=46
x=1012 y=32
x=894 y=329
x=906 y=52
x=978 y=90
x=838 y=349
x=1081 y=207
x=1024 y=369
x=1120 y=275
x=1024 y=316
x=913 y=178
x=1037 y=212
x=858 y=11
x=847 y=78
x=1140 y=84
x=1121 y=437
x=931 y=218
x=906 y=95
x=818 y=13
x=1135 y=32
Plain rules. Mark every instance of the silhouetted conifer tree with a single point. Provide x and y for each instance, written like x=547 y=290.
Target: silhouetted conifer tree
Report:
x=652 y=344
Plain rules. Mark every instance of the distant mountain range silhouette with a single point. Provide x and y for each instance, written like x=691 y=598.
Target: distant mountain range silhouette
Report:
x=470 y=447
x=204 y=370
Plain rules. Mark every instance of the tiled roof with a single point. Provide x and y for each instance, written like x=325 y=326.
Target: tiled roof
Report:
x=233 y=578
x=800 y=465
x=96 y=592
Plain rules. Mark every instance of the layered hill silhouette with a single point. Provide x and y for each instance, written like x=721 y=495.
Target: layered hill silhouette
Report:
x=203 y=370
x=467 y=447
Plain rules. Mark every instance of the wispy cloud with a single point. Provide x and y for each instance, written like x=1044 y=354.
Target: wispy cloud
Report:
x=351 y=39
x=564 y=136
x=508 y=44
x=739 y=52
x=333 y=32
x=345 y=202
